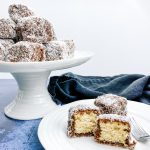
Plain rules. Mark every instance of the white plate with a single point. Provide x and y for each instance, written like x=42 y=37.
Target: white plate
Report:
x=79 y=58
x=52 y=129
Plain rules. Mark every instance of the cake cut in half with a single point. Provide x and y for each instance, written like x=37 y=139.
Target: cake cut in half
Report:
x=111 y=104
x=114 y=130
x=82 y=120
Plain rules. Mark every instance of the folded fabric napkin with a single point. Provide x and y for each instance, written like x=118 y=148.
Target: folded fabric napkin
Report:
x=71 y=87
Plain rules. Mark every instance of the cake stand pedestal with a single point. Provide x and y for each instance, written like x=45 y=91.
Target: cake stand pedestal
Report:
x=33 y=100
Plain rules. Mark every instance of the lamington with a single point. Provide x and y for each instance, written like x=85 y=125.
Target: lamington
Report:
x=5 y=44
x=56 y=50
x=71 y=46
x=35 y=29
x=2 y=49
x=18 y=11
x=26 y=52
x=7 y=29
x=111 y=104
x=82 y=120
x=114 y=130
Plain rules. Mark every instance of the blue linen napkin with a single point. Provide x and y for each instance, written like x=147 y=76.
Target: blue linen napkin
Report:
x=71 y=87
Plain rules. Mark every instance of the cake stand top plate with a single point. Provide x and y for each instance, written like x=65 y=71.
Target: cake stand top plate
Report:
x=14 y=67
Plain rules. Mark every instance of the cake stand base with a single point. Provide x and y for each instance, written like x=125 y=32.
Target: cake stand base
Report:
x=33 y=100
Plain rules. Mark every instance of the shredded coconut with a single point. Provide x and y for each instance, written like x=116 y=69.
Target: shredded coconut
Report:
x=113 y=117
x=2 y=49
x=35 y=29
x=109 y=99
x=111 y=104
x=56 y=50
x=7 y=29
x=16 y=12
x=26 y=51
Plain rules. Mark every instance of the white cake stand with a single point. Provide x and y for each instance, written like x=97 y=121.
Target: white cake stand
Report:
x=33 y=100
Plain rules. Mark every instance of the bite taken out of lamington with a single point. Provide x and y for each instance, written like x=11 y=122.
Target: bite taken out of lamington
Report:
x=82 y=120
x=113 y=129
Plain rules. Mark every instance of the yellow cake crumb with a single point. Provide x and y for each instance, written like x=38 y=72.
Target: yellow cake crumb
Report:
x=85 y=122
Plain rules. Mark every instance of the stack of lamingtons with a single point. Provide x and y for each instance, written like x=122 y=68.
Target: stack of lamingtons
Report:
x=26 y=38
x=107 y=121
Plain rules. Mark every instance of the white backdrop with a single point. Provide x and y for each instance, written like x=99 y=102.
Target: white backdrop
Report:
x=117 y=31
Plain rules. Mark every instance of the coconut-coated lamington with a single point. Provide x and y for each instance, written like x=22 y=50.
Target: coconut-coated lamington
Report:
x=114 y=130
x=56 y=50
x=82 y=120
x=5 y=44
x=71 y=45
x=18 y=11
x=111 y=104
x=2 y=49
x=35 y=29
x=26 y=52
x=7 y=29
